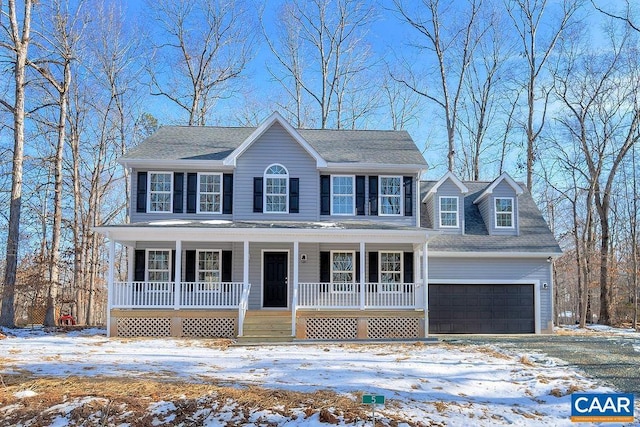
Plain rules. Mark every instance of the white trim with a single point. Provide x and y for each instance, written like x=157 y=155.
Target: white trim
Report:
x=266 y=125
x=537 y=309
x=274 y=250
x=353 y=194
x=489 y=190
x=473 y=254
x=146 y=263
x=495 y=214
x=353 y=282
x=198 y=251
x=400 y=196
x=186 y=165
x=449 y=175
x=366 y=168
x=198 y=192
x=457 y=212
x=267 y=176
x=171 y=190
x=380 y=269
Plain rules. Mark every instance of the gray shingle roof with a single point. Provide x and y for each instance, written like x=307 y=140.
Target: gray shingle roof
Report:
x=339 y=146
x=534 y=236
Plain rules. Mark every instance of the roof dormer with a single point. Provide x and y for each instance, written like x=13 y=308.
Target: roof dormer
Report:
x=498 y=205
x=445 y=201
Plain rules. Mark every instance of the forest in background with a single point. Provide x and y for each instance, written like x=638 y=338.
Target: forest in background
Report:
x=547 y=90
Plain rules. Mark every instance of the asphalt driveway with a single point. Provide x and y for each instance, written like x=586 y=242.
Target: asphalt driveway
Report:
x=612 y=358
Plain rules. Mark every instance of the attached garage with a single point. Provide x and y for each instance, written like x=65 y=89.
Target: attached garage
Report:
x=481 y=308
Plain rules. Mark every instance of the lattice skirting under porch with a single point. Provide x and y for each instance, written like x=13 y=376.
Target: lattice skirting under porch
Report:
x=336 y=327
x=172 y=325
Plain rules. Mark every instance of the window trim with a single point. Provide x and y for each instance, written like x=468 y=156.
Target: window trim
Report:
x=353 y=195
x=511 y=213
x=198 y=194
x=349 y=287
x=210 y=286
x=457 y=211
x=147 y=269
x=268 y=176
x=392 y=287
x=150 y=192
x=399 y=196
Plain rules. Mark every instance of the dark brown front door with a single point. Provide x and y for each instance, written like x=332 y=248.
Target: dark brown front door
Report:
x=275 y=279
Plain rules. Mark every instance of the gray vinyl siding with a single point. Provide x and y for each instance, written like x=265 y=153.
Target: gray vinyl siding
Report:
x=276 y=146
x=145 y=216
x=484 y=270
x=448 y=189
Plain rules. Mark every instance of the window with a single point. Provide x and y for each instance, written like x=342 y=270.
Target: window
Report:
x=504 y=212
x=160 y=189
x=276 y=189
x=390 y=271
x=342 y=271
x=208 y=269
x=209 y=193
x=342 y=194
x=448 y=211
x=159 y=265
x=390 y=195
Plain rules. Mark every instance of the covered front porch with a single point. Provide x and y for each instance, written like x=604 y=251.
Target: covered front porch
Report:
x=323 y=280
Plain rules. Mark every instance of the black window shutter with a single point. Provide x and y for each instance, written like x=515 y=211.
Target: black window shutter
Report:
x=360 y=196
x=227 y=193
x=139 y=265
x=373 y=195
x=173 y=266
x=294 y=195
x=178 y=191
x=141 y=200
x=408 y=195
x=325 y=267
x=357 y=266
x=192 y=192
x=257 y=194
x=325 y=195
x=408 y=267
x=227 y=266
x=190 y=266
x=373 y=267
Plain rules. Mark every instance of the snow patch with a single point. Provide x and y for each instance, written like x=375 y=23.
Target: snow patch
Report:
x=170 y=222
x=25 y=393
x=215 y=222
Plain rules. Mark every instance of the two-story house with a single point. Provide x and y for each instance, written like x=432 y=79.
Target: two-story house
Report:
x=274 y=233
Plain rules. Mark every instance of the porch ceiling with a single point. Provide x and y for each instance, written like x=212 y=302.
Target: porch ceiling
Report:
x=266 y=231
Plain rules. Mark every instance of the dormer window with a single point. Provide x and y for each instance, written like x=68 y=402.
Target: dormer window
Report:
x=390 y=195
x=276 y=188
x=504 y=212
x=160 y=191
x=448 y=212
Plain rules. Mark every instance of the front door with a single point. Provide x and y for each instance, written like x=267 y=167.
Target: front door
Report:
x=275 y=279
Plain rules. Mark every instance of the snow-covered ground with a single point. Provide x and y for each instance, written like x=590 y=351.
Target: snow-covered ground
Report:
x=423 y=383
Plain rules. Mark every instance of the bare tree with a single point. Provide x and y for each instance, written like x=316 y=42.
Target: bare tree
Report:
x=18 y=33
x=452 y=36
x=321 y=54
x=208 y=45
x=529 y=18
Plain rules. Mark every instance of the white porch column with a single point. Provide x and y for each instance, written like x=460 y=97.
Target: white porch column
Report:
x=112 y=260
x=177 y=279
x=425 y=282
x=131 y=253
x=294 y=302
x=362 y=281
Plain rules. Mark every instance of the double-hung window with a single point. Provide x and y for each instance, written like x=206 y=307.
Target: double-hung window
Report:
x=448 y=212
x=208 y=269
x=276 y=184
x=210 y=193
x=342 y=194
x=343 y=271
x=158 y=265
x=390 y=195
x=504 y=212
x=160 y=191
x=390 y=271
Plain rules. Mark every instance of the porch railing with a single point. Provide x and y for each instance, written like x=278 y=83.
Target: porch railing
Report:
x=243 y=307
x=163 y=295
x=349 y=295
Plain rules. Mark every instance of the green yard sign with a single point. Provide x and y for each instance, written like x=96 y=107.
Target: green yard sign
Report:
x=373 y=399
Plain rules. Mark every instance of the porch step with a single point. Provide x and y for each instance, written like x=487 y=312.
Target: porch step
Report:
x=266 y=326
